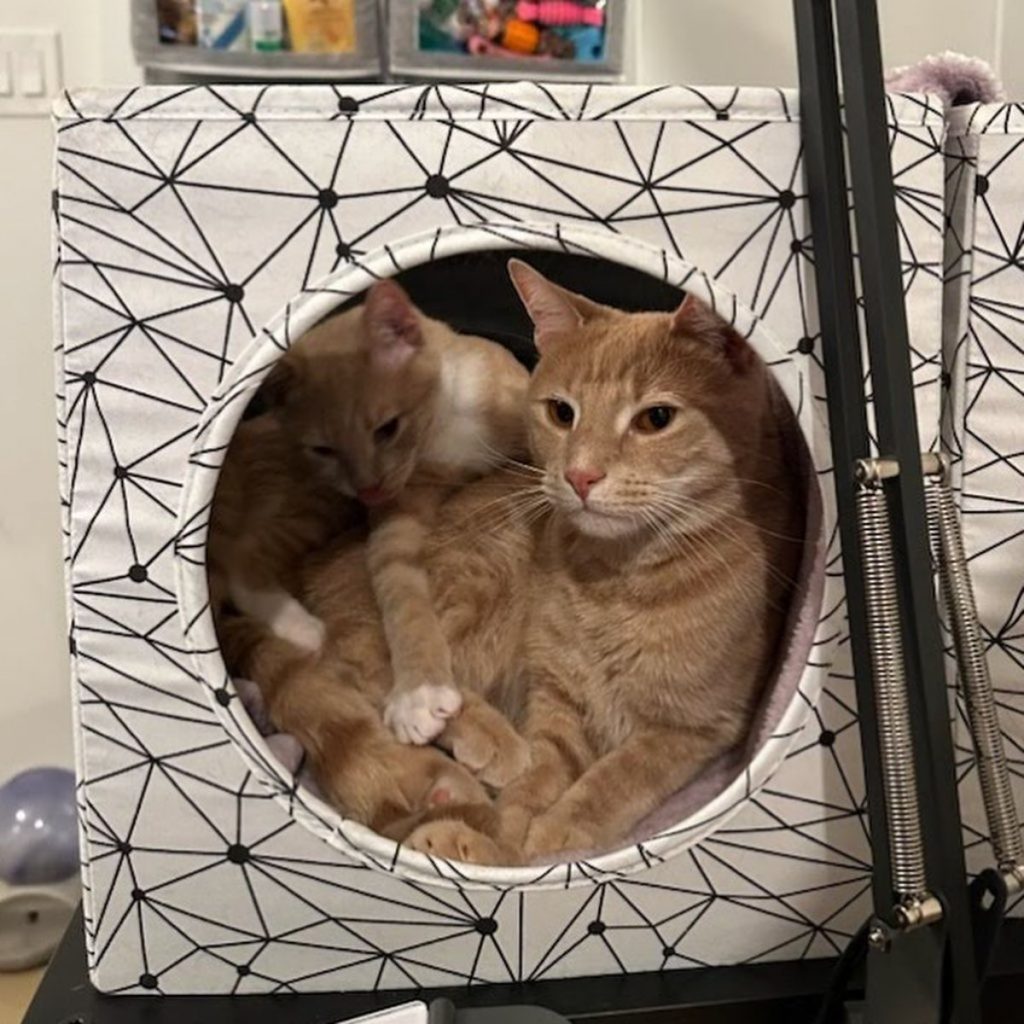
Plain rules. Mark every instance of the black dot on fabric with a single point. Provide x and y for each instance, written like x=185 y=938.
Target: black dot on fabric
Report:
x=721 y=115
x=668 y=951
x=348 y=104
x=234 y=292
x=796 y=246
x=328 y=198
x=343 y=250
x=89 y=378
x=596 y=927
x=787 y=200
x=437 y=186
x=223 y=697
x=137 y=574
x=138 y=895
x=120 y=473
x=981 y=185
x=72 y=646
x=238 y=854
x=487 y=926
x=124 y=847
x=243 y=970
x=947 y=379
x=827 y=738
x=249 y=117
x=148 y=981
x=805 y=346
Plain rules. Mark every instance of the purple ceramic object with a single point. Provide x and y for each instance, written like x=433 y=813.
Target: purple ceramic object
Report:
x=38 y=827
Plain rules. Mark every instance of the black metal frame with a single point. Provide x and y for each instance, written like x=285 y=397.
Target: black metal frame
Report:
x=926 y=975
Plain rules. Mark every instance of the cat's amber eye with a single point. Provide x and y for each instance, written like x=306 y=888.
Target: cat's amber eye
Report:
x=386 y=431
x=322 y=451
x=658 y=417
x=561 y=413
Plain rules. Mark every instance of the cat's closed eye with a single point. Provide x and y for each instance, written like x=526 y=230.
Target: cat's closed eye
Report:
x=655 y=419
x=386 y=430
x=321 y=451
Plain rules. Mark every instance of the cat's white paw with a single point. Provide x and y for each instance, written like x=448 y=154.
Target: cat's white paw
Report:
x=420 y=714
x=293 y=623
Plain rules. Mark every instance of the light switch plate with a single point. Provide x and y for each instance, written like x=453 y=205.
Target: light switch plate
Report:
x=31 y=59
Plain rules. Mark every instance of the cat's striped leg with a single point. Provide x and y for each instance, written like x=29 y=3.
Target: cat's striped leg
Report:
x=560 y=753
x=423 y=697
x=606 y=802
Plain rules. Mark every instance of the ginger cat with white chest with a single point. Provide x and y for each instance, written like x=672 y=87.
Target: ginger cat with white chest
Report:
x=383 y=407
x=394 y=409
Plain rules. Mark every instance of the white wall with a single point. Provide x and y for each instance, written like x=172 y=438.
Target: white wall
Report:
x=699 y=41
x=750 y=42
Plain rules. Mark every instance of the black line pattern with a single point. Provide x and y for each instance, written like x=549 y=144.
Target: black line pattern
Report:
x=984 y=373
x=191 y=220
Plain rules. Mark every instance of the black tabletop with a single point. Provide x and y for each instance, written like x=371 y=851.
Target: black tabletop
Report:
x=785 y=992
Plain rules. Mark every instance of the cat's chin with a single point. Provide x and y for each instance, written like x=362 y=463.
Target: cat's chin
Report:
x=601 y=525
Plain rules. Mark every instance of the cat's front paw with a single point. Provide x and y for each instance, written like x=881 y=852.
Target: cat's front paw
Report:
x=483 y=740
x=294 y=624
x=420 y=714
x=455 y=840
x=551 y=838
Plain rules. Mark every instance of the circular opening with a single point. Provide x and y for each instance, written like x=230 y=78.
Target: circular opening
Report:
x=468 y=289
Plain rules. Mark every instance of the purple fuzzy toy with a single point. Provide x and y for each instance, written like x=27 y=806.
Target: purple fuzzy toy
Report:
x=953 y=77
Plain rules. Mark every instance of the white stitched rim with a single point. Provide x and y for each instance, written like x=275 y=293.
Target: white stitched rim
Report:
x=217 y=426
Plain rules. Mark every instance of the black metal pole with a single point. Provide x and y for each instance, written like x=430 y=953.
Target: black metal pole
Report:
x=898 y=438
x=844 y=375
x=906 y=983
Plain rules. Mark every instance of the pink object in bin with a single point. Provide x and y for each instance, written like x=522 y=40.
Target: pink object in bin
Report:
x=559 y=12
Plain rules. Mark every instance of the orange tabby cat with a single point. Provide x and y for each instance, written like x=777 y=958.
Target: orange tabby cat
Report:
x=661 y=584
x=660 y=581
x=642 y=614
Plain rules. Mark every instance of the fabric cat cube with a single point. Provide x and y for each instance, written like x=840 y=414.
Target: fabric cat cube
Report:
x=199 y=232
x=983 y=355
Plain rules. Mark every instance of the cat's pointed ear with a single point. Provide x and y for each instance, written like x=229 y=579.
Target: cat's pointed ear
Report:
x=393 y=330
x=552 y=309
x=278 y=385
x=695 y=319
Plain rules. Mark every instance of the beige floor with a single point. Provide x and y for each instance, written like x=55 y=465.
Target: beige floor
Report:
x=16 y=991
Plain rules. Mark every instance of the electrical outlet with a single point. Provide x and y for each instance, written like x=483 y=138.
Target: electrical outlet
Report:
x=30 y=74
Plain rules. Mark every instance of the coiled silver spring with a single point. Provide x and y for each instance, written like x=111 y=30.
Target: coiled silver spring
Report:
x=976 y=684
x=906 y=849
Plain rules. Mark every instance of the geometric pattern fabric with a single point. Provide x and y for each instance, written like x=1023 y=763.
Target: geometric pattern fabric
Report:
x=195 y=228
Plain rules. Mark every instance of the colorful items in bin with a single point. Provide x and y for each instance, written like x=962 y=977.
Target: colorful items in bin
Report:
x=222 y=24
x=321 y=26
x=176 y=21
x=39 y=860
x=514 y=28
x=266 y=25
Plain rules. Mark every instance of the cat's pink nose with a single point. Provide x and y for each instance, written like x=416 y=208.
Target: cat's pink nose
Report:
x=372 y=496
x=581 y=480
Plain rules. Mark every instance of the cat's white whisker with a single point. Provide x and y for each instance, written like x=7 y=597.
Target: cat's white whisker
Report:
x=494 y=514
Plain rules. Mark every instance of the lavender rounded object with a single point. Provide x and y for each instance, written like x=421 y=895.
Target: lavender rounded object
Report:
x=38 y=827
